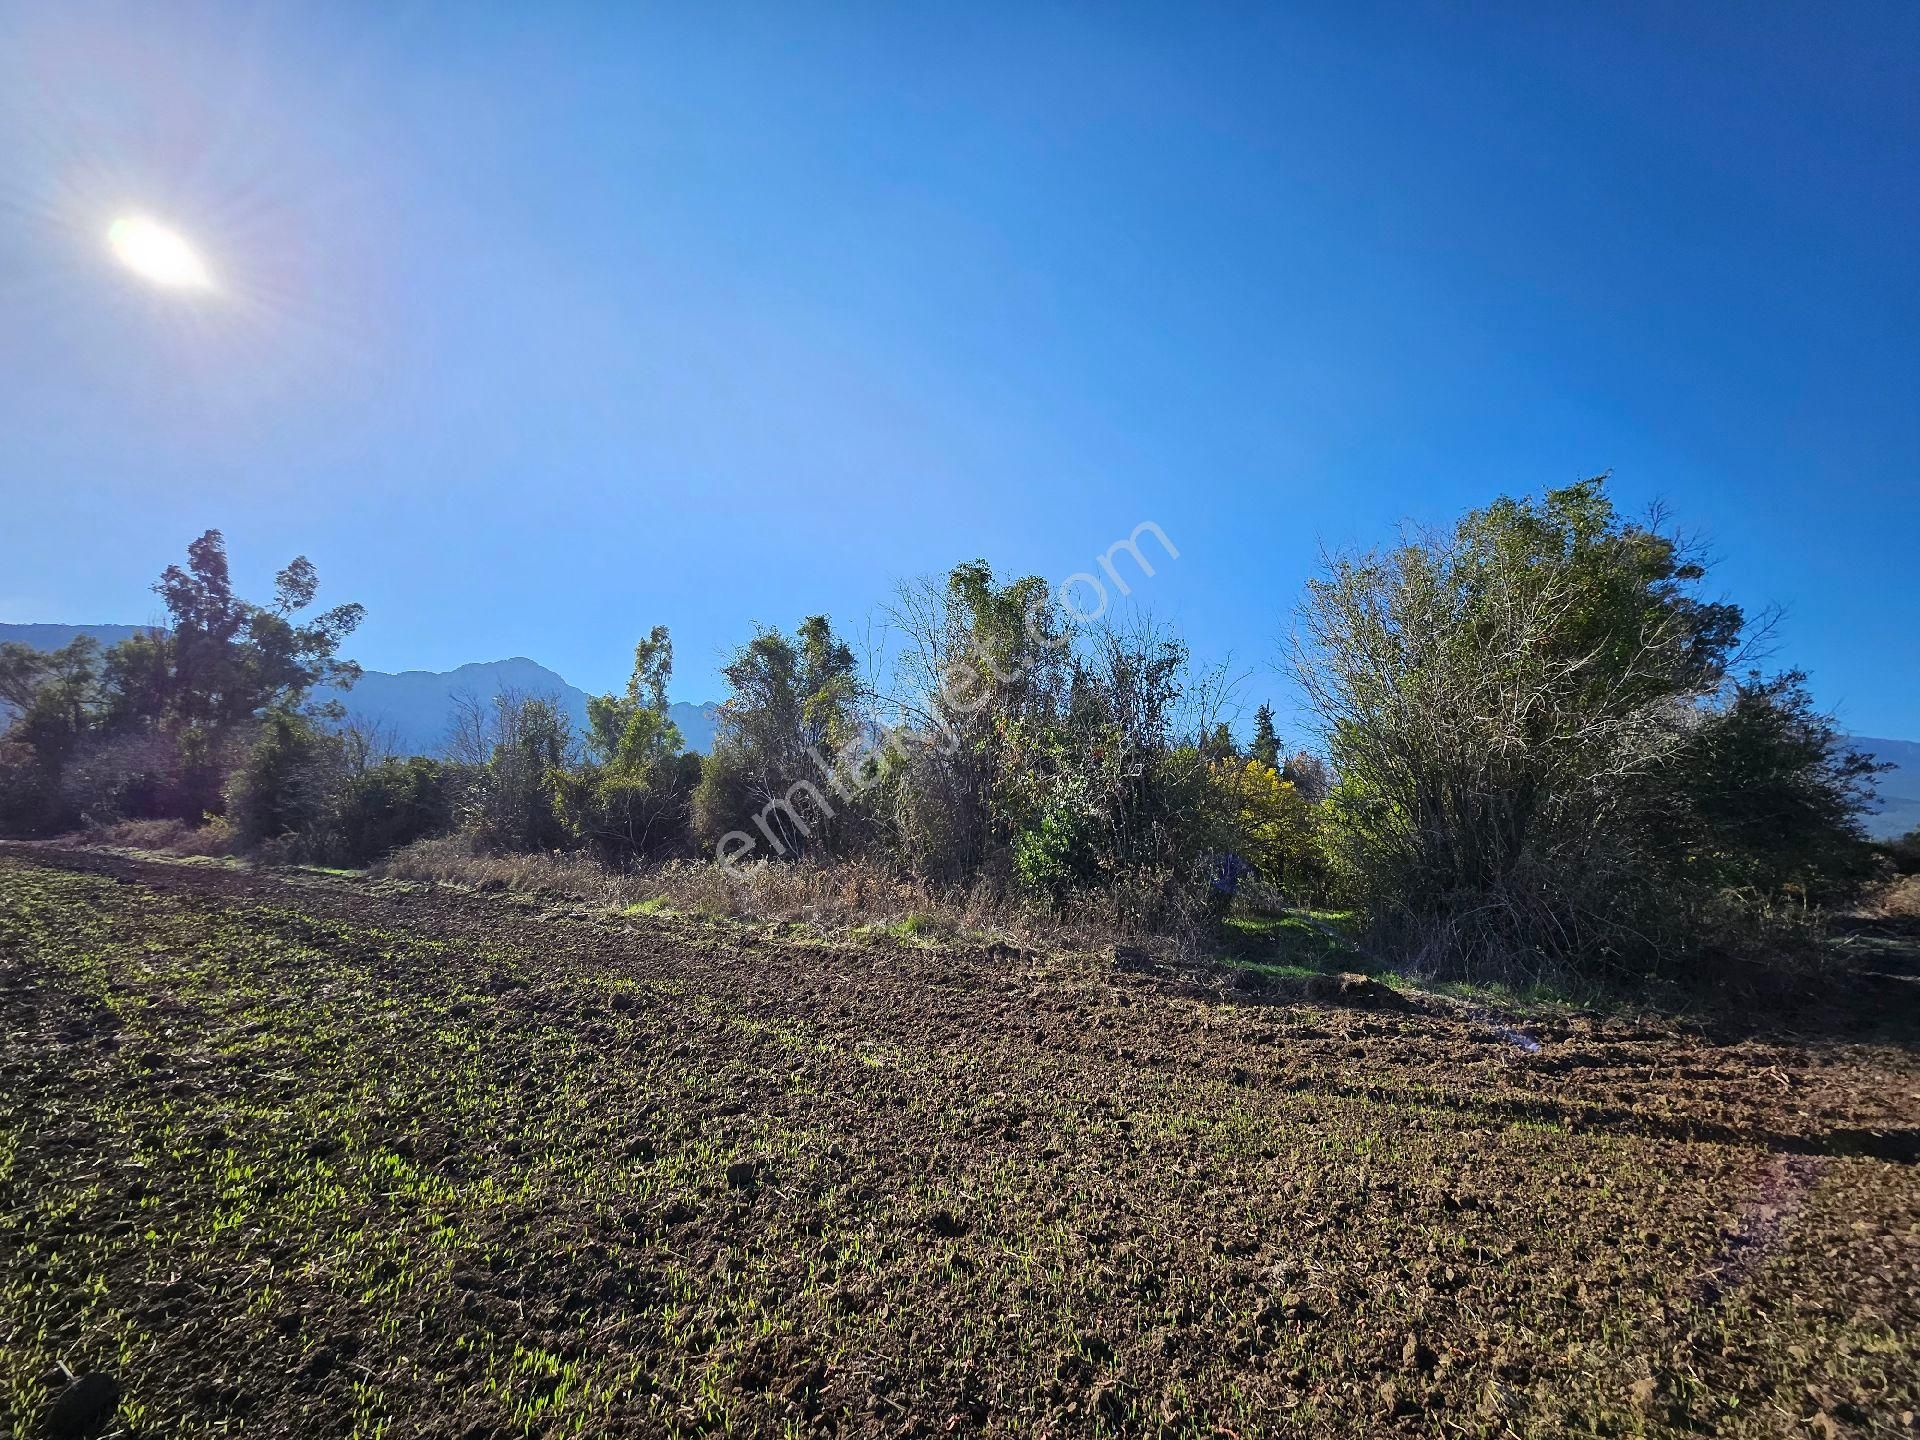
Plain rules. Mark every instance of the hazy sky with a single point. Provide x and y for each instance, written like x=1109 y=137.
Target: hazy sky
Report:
x=537 y=325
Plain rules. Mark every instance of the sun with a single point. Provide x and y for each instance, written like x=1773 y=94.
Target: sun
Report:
x=156 y=253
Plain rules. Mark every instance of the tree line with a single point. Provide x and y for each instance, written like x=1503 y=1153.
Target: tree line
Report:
x=1544 y=747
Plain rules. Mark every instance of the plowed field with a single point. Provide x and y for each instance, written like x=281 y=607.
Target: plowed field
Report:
x=287 y=1154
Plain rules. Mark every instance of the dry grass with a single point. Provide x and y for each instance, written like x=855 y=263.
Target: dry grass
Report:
x=170 y=837
x=455 y=860
x=841 y=896
x=1898 y=899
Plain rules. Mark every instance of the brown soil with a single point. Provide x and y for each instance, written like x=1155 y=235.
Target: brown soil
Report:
x=299 y=1155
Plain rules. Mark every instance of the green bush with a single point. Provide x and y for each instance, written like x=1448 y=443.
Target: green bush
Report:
x=282 y=791
x=391 y=805
x=630 y=800
x=1058 y=851
x=1543 y=761
x=626 y=815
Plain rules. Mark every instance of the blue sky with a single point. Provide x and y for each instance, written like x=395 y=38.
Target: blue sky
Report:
x=539 y=325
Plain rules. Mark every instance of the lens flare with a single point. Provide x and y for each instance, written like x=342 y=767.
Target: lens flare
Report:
x=156 y=253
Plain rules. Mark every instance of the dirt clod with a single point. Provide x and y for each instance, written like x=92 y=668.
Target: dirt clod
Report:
x=743 y=1174
x=85 y=1406
x=946 y=1224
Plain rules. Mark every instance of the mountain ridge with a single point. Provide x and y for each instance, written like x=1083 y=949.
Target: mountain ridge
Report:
x=417 y=707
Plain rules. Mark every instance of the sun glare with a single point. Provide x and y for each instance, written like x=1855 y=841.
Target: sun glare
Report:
x=155 y=253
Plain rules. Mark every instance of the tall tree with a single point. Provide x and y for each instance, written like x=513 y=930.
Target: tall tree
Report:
x=1266 y=741
x=795 y=704
x=634 y=730
x=631 y=797
x=221 y=661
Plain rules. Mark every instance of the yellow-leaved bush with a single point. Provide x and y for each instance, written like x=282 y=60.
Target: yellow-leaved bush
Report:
x=1274 y=824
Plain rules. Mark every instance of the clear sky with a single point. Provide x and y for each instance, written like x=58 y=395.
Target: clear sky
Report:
x=537 y=325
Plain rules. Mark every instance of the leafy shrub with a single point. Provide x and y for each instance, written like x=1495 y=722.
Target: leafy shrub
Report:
x=1763 y=797
x=390 y=805
x=625 y=815
x=1542 y=762
x=1059 y=850
x=282 y=791
x=1273 y=826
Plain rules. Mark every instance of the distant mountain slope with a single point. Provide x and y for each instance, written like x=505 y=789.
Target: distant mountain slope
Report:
x=52 y=637
x=697 y=723
x=414 y=709
x=1899 y=789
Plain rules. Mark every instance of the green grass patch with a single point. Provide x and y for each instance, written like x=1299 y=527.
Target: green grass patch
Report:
x=1295 y=945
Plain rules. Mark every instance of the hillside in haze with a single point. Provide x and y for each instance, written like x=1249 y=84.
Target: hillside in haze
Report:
x=414 y=709
x=52 y=637
x=1899 y=789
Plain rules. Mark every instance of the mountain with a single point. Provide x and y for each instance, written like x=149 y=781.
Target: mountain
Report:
x=414 y=709
x=697 y=723
x=52 y=637
x=1899 y=810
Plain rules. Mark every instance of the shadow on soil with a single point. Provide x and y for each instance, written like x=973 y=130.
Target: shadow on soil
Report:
x=1869 y=994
